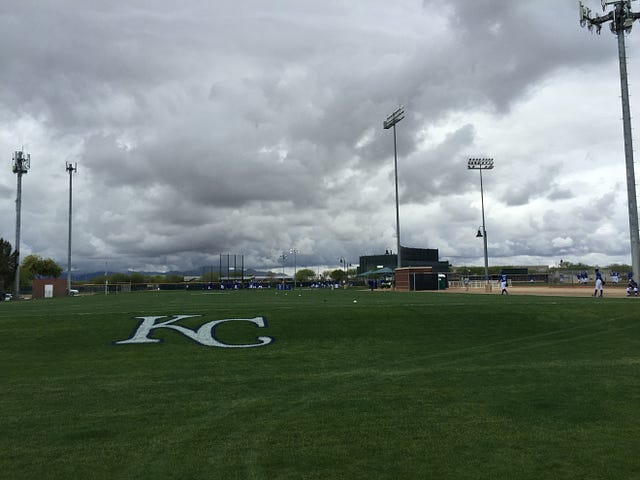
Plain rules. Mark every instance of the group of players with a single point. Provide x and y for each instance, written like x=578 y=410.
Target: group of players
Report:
x=632 y=285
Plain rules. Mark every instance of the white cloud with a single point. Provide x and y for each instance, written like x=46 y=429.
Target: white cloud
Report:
x=559 y=242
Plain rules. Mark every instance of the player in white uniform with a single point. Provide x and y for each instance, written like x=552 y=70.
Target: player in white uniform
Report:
x=599 y=283
x=503 y=285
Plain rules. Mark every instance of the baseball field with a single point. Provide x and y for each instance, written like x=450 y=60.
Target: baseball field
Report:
x=322 y=384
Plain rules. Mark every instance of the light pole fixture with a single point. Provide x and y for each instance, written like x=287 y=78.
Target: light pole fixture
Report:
x=391 y=121
x=346 y=265
x=70 y=169
x=294 y=252
x=482 y=164
x=621 y=18
x=21 y=165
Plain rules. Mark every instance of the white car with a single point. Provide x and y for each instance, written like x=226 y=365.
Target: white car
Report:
x=74 y=292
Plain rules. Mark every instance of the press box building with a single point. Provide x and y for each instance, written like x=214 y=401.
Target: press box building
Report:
x=409 y=257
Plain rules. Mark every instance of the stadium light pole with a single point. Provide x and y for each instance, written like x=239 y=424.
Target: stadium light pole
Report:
x=70 y=168
x=294 y=252
x=621 y=18
x=21 y=165
x=343 y=263
x=391 y=121
x=482 y=164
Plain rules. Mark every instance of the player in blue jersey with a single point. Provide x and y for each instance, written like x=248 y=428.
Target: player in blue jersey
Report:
x=503 y=284
x=599 y=283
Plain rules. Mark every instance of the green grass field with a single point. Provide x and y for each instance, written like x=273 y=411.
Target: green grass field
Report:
x=395 y=386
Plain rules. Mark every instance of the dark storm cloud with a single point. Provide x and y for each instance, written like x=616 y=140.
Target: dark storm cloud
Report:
x=440 y=170
x=507 y=47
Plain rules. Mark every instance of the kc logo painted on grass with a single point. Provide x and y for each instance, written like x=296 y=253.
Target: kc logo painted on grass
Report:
x=205 y=335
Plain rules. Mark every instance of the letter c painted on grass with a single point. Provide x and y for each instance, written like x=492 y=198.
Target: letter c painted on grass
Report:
x=205 y=335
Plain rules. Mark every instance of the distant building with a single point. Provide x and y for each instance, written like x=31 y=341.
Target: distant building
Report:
x=409 y=257
x=48 y=287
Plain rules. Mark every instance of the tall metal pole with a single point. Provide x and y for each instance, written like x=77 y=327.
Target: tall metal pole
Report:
x=484 y=234
x=21 y=165
x=395 y=163
x=621 y=19
x=391 y=121
x=634 y=233
x=482 y=164
x=16 y=287
x=70 y=169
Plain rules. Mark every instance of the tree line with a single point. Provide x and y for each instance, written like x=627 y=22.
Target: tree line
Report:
x=33 y=266
x=8 y=265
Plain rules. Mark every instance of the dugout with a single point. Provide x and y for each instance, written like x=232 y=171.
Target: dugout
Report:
x=413 y=279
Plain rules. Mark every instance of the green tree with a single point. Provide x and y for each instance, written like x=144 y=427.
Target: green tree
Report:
x=137 y=277
x=8 y=264
x=337 y=275
x=119 y=277
x=620 y=267
x=98 y=280
x=305 y=275
x=161 y=278
x=575 y=266
x=173 y=278
x=35 y=266
x=29 y=266
x=50 y=268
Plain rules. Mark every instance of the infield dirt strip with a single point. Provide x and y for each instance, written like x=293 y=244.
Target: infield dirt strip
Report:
x=560 y=291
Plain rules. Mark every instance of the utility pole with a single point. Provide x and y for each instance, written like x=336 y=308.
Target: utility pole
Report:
x=70 y=169
x=621 y=18
x=391 y=121
x=21 y=165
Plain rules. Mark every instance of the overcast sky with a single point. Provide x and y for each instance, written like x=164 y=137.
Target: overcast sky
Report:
x=203 y=127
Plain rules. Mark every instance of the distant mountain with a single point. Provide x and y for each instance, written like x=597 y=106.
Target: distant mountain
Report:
x=85 y=276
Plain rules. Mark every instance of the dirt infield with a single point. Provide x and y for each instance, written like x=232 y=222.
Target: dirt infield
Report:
x=559 y=291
